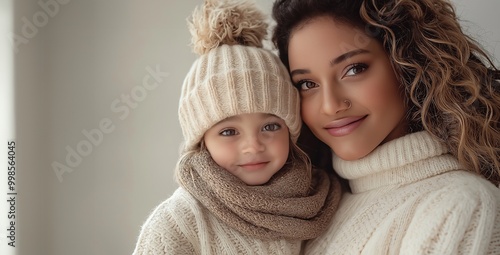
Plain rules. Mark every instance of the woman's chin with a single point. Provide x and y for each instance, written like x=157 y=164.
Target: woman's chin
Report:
x=350 y=155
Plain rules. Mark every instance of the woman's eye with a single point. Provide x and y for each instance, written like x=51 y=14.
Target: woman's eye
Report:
x=305 y=85
x=228 y=132
x=355 y=69
x=272 y=127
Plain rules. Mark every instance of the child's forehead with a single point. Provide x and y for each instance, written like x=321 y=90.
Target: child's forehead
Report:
x=244 y=116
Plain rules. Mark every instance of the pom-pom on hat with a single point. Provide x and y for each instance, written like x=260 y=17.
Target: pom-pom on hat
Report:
x=234 y=74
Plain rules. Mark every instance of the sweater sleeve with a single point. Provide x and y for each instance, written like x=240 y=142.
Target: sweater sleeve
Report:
x=461 y=218
x=167 y=230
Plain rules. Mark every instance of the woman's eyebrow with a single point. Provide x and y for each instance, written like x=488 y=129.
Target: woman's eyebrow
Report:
x=348 y=55
x=334 y=61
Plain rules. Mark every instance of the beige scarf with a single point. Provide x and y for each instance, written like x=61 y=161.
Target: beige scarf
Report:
x=292 y=205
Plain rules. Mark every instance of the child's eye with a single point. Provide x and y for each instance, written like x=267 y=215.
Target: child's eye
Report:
x=272 y=127
x=304 y=85
x=355 y=69
x=228 y=132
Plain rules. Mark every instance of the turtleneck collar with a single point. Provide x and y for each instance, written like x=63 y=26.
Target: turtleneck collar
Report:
x=404 y=160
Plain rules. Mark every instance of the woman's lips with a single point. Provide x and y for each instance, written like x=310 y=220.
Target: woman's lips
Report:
x=344 y=126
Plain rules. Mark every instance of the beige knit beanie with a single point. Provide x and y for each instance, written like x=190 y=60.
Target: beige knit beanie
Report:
x=234 y=74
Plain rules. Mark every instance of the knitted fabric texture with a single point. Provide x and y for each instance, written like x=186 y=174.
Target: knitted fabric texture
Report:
x=409 y=196
x=291 y=205
x=232 y=80
x=181 y=225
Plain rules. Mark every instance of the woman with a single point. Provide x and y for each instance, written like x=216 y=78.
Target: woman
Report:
x=410 y=108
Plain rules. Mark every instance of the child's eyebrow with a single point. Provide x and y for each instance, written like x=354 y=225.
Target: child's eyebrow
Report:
x=235 y=117
x=262 y=115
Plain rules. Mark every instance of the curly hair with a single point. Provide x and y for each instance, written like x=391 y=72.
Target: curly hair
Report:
x=451 y=85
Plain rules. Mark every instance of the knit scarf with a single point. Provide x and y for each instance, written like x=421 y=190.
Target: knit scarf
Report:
x=293 y=205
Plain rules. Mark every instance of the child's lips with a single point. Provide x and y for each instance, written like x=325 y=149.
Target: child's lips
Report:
x=254 y=165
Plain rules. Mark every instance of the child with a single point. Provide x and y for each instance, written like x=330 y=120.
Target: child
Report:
x=410 y=107
x=245 y=187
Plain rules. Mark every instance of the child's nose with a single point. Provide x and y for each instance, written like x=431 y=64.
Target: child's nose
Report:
x=253 y=144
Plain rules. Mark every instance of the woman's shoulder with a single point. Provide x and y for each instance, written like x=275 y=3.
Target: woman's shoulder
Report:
x=461 y=189
x=463 y=184
x=458 y=197
x=462 y=210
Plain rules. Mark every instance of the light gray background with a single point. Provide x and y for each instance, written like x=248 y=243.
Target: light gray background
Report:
x=66 y=78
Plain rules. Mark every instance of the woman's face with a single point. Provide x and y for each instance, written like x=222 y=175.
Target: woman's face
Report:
x=350 y=96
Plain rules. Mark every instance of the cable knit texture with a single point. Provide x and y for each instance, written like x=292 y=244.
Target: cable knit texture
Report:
x=409 y=196
x=182 y=225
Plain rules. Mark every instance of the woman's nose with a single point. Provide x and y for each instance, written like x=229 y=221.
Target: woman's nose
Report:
x=332 y=102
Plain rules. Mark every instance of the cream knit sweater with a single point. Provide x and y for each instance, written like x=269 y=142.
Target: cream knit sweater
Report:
x=410 y=197
x=181 y=225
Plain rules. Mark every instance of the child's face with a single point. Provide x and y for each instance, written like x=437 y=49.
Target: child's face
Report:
x=350 y=96
x=252 y=146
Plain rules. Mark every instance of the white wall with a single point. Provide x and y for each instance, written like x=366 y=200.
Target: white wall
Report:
x=33 y=144
x=82 y=60
x=481 y=20
x=77 y=64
